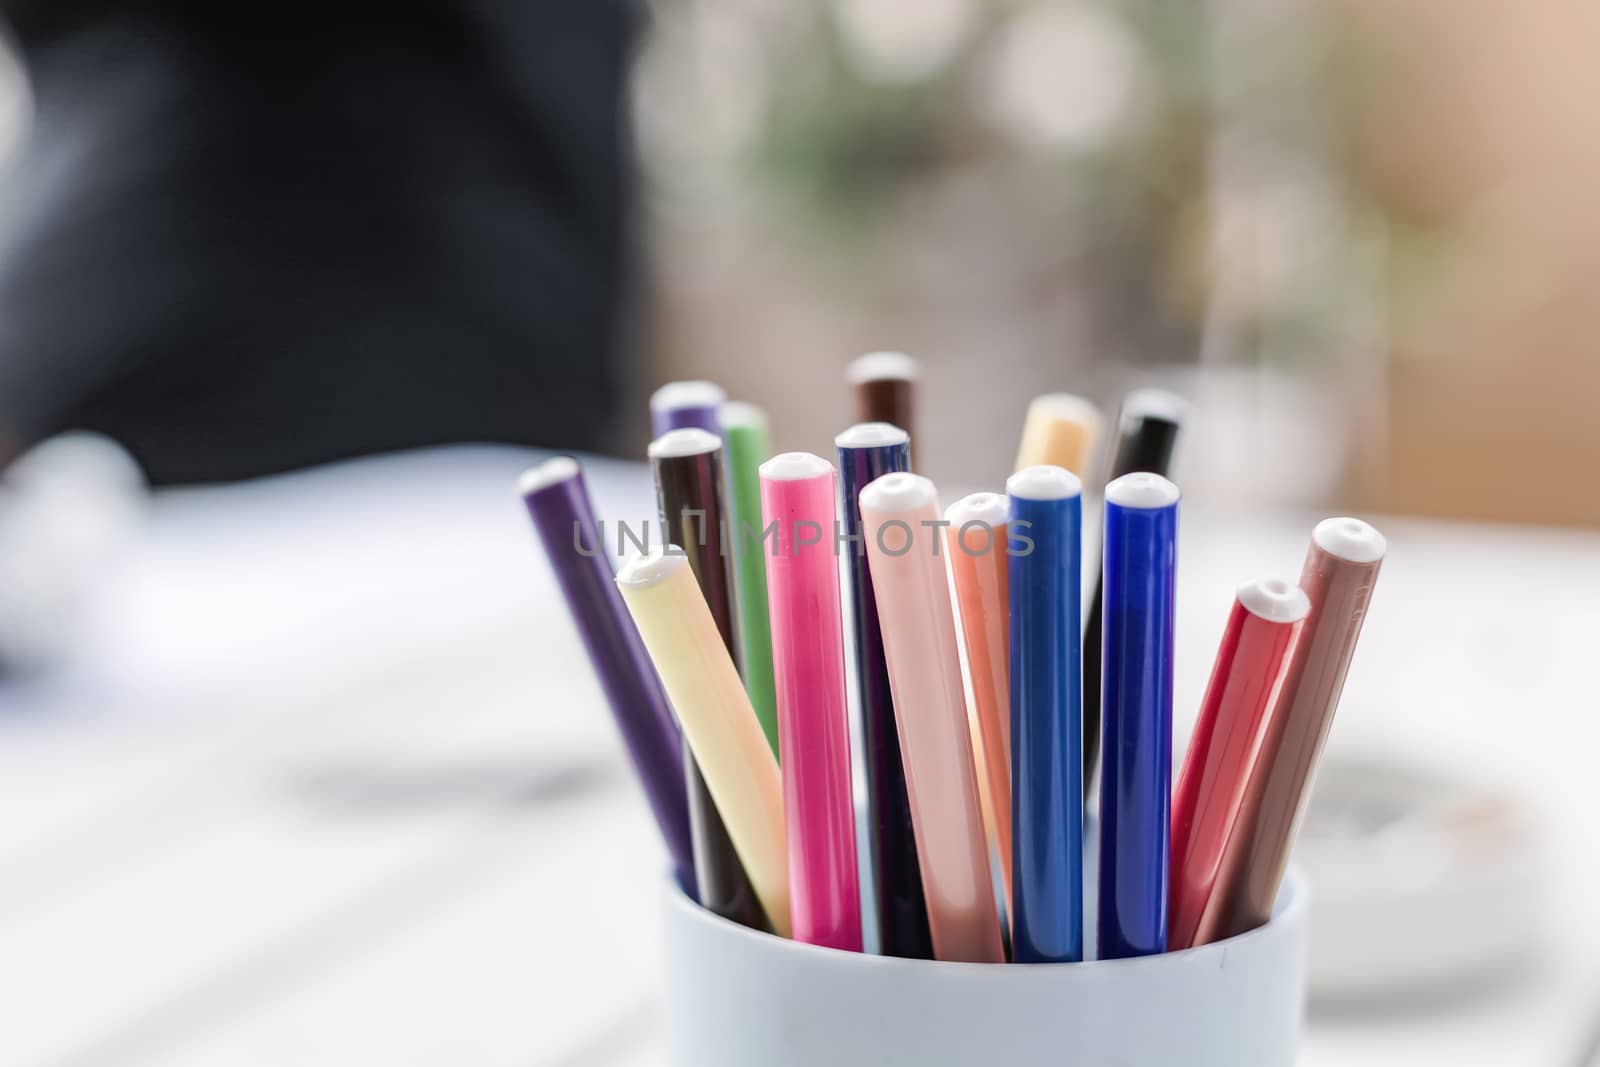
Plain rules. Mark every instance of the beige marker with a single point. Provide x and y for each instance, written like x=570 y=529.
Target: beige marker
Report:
x=1061 y=430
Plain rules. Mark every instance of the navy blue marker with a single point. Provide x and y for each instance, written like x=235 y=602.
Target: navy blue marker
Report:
x=1141 y=551
x=1046 y=503
x=868 y=451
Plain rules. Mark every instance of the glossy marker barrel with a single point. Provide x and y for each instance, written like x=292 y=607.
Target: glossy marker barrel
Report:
x=744 y=436
x=1060 y=430
x=558 y=503
x=684 y=405
x=687 y=466
x=718 y=723
x=867 y=451
x=975 y=541
x=905 y=553
x=1141 y=552
x=1248 y=676
x=1340 y=571
x=885 y=385
x=1046 y=560
x=797 y=493
x=1147 y=434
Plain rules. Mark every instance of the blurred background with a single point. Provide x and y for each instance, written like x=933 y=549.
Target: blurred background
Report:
x=302 y=760
x=1350 y=229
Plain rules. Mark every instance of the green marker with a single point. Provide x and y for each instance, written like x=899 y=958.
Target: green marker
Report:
x=744 y=436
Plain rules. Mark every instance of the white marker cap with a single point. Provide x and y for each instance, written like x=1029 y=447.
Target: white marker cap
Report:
x=794 y=467
x=692 y=394
x=877 y=366
x=688 y=441
x=1156 y=404
x=987 y=508
x=552 y=471
x=1044 y=482
x=1274 y=600
x=643 y=569
x=1142 y=490
x=1350 y=539
x=871 y=435
x=900 y=491
x=738 y=413
x=1065 y=407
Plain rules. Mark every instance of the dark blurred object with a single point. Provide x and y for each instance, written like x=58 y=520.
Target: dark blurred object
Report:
x=244 y=239
x=1147 y=435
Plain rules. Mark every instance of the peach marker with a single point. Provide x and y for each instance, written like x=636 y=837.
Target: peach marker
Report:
x=976 y=543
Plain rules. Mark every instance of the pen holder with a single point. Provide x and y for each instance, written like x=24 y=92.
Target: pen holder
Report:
x=739 y=998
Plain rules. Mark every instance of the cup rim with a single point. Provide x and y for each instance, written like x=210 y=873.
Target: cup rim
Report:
x=1290 y=911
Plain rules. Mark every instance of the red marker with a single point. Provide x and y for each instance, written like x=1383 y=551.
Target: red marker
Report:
x=1251 y=665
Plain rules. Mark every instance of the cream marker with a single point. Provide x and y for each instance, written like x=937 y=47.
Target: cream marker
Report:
x=718 y=723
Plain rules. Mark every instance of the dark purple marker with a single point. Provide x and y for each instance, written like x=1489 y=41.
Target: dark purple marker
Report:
x=867 y=451
x=558 y=503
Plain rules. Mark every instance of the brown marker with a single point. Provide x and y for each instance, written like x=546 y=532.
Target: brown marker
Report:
x=885 y=385
x=1340 y=571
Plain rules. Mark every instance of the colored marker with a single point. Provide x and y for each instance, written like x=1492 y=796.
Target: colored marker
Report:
x=885 y=385
x=1147 y=433
x=687 y=466
x=1046 y=560
x=1060 y=430
x=682 y=405
x=867 y=451
x=904 y=551
x=718 y=723
x=1251 y=665
x=1340 y=571
x=813 y=720
x=1141 y=552
x=558 y=503
x=744 y=434
x=976 y=543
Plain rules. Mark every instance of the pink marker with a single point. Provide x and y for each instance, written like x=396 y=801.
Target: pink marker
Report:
x=900 y=519
x=797 y=493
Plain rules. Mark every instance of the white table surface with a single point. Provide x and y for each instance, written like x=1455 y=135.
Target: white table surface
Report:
x=328 y=781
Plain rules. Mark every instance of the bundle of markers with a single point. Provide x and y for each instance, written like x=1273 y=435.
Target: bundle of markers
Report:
x=721 y=649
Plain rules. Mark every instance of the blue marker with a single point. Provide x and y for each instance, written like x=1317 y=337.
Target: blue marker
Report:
x=1046 y=715
x=1141 y=555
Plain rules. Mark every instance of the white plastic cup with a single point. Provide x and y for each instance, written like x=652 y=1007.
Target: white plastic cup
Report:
x=738 y=998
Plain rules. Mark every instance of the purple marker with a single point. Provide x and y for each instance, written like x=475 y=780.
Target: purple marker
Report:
x=558 y=503
x=686 y=405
